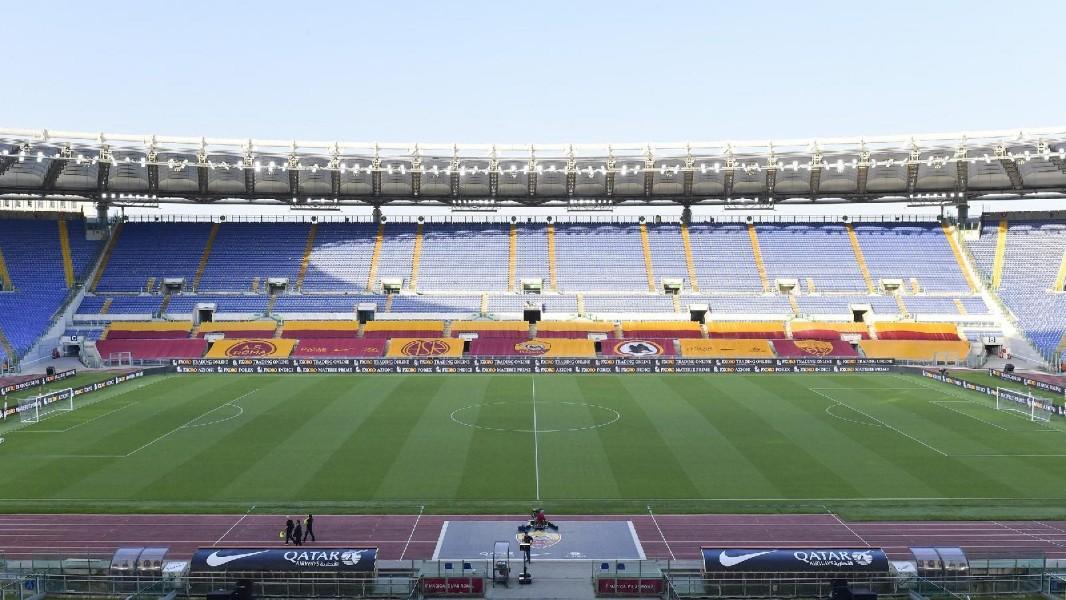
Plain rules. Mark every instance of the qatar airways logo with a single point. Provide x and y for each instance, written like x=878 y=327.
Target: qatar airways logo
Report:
x=835 y=558
x=318 y=558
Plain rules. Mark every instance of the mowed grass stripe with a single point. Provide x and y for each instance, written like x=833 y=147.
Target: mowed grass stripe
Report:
x=433 y=458
x=497 y=464
x=638 y=455
x=575 y=464
x=224 y=451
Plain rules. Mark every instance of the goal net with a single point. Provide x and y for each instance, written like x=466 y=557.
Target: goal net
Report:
x=120 y=359
x=33 y=410
x=1023 y=404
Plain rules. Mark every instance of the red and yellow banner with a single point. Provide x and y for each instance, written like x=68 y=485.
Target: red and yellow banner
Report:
x=557 y=347
x=424 y=347
x=271 y=348
x=725 y=348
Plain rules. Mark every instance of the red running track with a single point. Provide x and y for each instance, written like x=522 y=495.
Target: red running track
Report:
x=413 y=537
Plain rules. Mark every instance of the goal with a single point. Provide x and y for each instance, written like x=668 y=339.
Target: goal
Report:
x=1023 y=404
x=32 y=410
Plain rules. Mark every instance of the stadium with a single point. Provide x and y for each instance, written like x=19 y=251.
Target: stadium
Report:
x=551 y=301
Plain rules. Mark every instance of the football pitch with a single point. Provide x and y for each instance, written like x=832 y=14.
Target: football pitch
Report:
x=864 y=446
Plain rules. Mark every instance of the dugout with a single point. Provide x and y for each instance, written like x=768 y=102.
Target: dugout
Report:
x=793 y=572
x=293 y=572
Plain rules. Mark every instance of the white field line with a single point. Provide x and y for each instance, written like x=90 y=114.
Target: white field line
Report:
x=536 y=442
x=440 y=540
x=189 y=423
x=421 y=509
x=941 y=404
x=883 y=424
x=234 y=526
x=661 y=535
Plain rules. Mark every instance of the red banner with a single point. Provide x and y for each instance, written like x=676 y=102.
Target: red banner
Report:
x=453 y=586
x=638 y=348
x=629 y=586
x=339 y=348
x=813 y=348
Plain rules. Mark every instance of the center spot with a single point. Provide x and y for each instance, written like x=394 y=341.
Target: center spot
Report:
x=552 y=416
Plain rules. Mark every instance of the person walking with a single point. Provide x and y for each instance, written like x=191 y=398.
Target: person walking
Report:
x=309 y=527
x=289 y=525
x=298 y=534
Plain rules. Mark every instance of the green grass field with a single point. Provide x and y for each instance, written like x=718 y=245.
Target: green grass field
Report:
x=866 y=446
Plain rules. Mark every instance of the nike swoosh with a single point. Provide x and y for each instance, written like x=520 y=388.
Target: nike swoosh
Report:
x=729 y=561
x=214 y=560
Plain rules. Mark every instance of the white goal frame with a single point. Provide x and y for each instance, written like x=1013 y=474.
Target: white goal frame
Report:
x=1030 y=410
x=42 y=406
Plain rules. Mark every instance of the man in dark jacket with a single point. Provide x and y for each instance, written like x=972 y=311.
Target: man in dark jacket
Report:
x=289 y=525
x=298 y=534
x=309 y=524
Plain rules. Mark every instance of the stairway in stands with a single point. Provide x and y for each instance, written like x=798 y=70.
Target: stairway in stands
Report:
x=860 y=259
x=106 y=257
x=690 y=264
x=512 y=257
x=5 y=276
x=306 y=260
x=1060 y=279
x=949 y=233
x=1000 y=255
x=375 y=257
x=416 y=256
x=757 y=253
x=64 y=249
x=205 y=257
x=646 y=247
x=553 y=274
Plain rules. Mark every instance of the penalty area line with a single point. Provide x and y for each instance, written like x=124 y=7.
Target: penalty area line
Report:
x=883 y=424
x=189 y=423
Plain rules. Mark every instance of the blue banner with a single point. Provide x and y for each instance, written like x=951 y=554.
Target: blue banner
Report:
x=293 y=559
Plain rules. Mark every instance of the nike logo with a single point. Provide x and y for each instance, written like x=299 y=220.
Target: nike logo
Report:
x=214 y=560
x=729 y=561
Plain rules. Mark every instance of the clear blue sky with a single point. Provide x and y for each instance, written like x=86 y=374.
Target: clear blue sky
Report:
x=542 y=71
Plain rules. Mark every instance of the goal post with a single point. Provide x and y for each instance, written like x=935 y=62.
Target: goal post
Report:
x=1023 y=404
x=42 y=406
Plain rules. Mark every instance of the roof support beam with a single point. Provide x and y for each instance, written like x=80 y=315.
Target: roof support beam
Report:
x=962 y=171
x=52 y=175
x=816 y=173
x=862 y=172
x=103 y=168
x=730 y=167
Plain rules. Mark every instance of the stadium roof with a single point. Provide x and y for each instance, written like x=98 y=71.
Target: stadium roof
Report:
x=150 y=169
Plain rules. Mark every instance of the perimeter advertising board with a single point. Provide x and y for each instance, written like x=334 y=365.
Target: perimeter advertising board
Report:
x=530 y=365
x=794 y=560
x=1047 y=386
x=36 y=381
x=284 y=560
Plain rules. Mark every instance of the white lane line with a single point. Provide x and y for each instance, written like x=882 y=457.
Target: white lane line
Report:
x=656 y=521
x=883 y=424
x=421 y=509
x=234 y=526
x=190 y=422
x=1035 y=537
x=536 y=442
x=636 y=541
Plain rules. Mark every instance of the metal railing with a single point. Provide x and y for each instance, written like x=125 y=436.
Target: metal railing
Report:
x=763 y=586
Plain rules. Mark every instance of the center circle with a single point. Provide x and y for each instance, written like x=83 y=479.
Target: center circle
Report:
x=552 y=417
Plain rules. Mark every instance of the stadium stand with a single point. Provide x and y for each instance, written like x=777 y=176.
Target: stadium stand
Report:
x=819 y=330
x=723 y=258
x=319 y=329
x=571 y=329
x=644 y=303
x=242 y=303
x=905 y=251
x=36 y=265
x=152 y=349
x=820 y=252
x=661 y=329
x=745 y=330
x=917 y=331
x=492 y=329
x=339 y=348
x=238 y=329
x=340 y=258
x=616 y=263
x=813 y=348
x=668 y=254
x=726 y=348
x=917 y=350
x=458 y=257
x=403 y=329
x=243 y=252
x=1031 y=254
x=148 y=330
x=146 y=250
